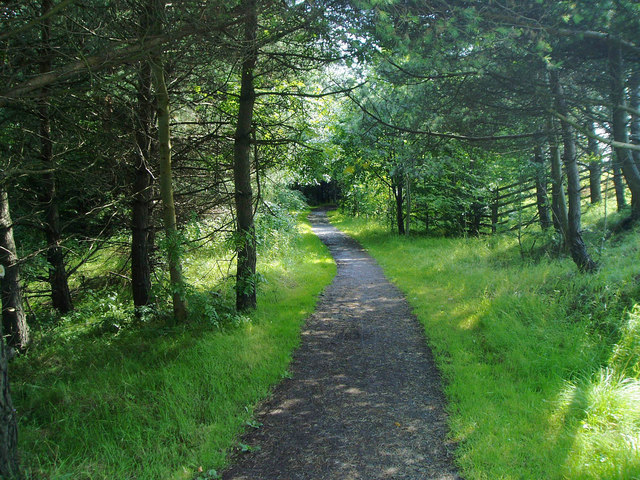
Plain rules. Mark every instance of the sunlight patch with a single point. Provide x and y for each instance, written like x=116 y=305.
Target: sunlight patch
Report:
x=603 y=419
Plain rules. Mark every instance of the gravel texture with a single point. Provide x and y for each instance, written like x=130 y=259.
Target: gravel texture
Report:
x=365 y=398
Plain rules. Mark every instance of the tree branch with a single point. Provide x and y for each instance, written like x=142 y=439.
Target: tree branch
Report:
x=429 y=77
x=132 y=52
x=35 y=21
x=606 y=141
x=95 y=62
x=309 y=95
x=451 y=136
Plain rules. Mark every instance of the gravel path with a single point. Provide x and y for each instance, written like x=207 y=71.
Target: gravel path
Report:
x=365 y=400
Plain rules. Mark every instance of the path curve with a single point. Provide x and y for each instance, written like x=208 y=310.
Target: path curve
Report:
x=364 y=401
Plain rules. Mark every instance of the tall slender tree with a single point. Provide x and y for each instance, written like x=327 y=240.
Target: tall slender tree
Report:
x=142 y=191
x=9 y=466
x=619 y=125
x=542 y=200
x=595 y=166
x=577 y=246
x=245 y=233
x=143 y=121
x=634 y=104
x=60 y=294
x=18 y=335
x=558 y=200
x=14 y=320
x=166 y=183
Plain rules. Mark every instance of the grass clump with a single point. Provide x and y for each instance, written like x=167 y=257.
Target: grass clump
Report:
x=103 y=397
x=540 y=362
x=604 y=410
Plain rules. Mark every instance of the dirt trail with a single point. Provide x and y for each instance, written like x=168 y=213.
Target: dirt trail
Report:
x=365 y=400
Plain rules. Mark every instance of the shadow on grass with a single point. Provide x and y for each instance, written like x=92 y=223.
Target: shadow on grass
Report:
x=511 y=337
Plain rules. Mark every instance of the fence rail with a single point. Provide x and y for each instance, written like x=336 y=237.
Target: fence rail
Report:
x=516 y=198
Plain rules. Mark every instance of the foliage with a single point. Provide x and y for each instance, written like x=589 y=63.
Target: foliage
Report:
x=105 y=397
x=452 y=99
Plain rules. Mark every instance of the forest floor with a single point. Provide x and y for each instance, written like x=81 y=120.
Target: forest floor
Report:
x=364 y=399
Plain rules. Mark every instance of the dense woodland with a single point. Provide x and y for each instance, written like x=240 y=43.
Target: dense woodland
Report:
x=148 y=130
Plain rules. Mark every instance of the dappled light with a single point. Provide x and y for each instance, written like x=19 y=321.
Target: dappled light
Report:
x=601 y=416
x=531 y=396
x=158 y=160
x=362 y=387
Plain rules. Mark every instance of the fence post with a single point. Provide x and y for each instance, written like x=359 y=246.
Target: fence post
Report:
x=494 y=211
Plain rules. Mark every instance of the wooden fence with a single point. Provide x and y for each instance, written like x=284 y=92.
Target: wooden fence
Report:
x=515 y=205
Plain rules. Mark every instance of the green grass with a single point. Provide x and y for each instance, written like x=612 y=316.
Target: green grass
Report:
x=540 y=363
x=101 y=398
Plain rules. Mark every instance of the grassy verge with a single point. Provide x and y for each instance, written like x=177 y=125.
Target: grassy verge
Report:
x=99 y=400
x=541 y=363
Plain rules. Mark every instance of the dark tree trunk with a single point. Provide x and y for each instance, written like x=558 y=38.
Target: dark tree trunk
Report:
x=426 y=219
x=577 y=246
x=60 y=294
x=142 y=194
x=542 y=200
x=246 y=238
x=618 y=184
x=595 y=168
x=398 y=194
x=494 y=210
x=595 y=182
x=9 y=468
x=13 y=317
x=619 y=126
x=407 y=229
x=634 y=103
x=15 y=326
x=558 y=200
x=475 y=218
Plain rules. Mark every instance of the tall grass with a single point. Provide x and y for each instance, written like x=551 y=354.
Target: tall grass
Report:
x=540 y=363
x=103 y=398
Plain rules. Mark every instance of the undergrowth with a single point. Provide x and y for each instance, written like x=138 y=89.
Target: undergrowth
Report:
x=540 y=363
x=101 y=395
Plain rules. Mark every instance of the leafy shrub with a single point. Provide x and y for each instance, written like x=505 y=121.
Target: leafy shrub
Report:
x=211 y=307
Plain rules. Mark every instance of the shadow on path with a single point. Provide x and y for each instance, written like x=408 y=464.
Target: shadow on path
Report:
x=365 y=400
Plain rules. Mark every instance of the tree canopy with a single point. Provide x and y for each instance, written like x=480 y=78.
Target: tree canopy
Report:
x=125 y=121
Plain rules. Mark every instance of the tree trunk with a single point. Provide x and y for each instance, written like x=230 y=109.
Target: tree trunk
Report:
x=166 y=183
x=634 y=103
x=399 y=197
x=246 y=238
x=494 y=210
x=542 y=200
x=558 y=201
x=9 y=468
x=142 y=194
x=60 y=295
x=14 y=320
x=408 y=195
x=619 y=126
x=595 y=168
x=426 y=219
x=475 y=218
x=577 y=246
x=618 y=184
x=166 y=193
x=391 y=208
